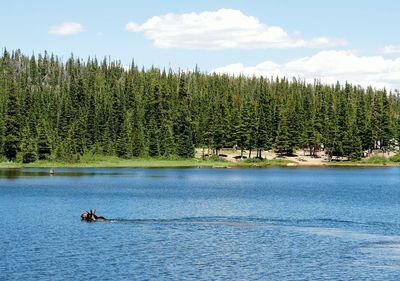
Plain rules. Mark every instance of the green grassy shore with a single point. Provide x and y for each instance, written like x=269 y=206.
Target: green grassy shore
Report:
x=115 y=162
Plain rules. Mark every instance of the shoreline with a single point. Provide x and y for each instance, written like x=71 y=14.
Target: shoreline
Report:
x=189 y=163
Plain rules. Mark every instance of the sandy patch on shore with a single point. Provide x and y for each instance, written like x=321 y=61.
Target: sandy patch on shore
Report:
x=300 y=158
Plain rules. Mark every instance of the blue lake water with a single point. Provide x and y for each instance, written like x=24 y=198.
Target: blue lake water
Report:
x=201 y=224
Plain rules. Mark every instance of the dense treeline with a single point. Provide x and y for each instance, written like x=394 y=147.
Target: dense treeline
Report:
x=55 y=110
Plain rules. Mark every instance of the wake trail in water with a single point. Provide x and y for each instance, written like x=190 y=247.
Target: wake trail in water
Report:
x=254 y=221
x=191 y=221
x=342 y=229
x=371 y=246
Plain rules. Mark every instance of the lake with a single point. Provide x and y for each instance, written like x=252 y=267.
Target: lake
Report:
x=201 y=224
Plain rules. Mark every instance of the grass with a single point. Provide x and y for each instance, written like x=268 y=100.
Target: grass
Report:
x=395 y=158
x=376 y=160
x=99 y=161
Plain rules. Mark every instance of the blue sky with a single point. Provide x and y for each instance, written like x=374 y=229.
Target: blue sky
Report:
x=232 y=36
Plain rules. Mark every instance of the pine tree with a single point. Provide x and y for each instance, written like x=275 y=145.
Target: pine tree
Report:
x=167 y=146
x=387 y=128
x=364 y=124
x=124 y=146
x=43 y=143
x=184 y=141
x=377 y=118
x=138 y=145
x=352 y=146
x=183 y=128
x=11 y=144
x=208 y=125
x=282 y=141
x=153 y=138
x=28 y=149
x=262 y=136
x=92 y=130
x=138 y=136
x=69 y=148
x=243 y=128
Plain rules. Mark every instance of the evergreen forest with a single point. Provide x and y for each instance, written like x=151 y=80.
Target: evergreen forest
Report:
x=55 y=110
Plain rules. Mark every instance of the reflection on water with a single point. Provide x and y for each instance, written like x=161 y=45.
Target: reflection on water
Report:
x=16 y=173
x=41 y=172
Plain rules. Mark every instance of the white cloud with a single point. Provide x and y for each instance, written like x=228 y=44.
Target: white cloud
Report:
x=132 y=27
x=66 y=28
x=390 y=49
x=328 y=67
x=222 y=29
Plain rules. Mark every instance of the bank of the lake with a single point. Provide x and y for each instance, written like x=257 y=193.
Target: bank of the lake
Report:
x=115 y=162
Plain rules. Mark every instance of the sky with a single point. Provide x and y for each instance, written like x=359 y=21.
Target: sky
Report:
x=354 y=40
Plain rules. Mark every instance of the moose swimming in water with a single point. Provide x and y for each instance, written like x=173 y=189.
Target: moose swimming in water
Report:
x=91 y=216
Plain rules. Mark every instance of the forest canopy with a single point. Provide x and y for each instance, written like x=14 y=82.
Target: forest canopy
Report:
x=61 y=110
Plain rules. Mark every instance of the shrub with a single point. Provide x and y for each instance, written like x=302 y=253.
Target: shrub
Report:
x=395 y=158
x=376 y=160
